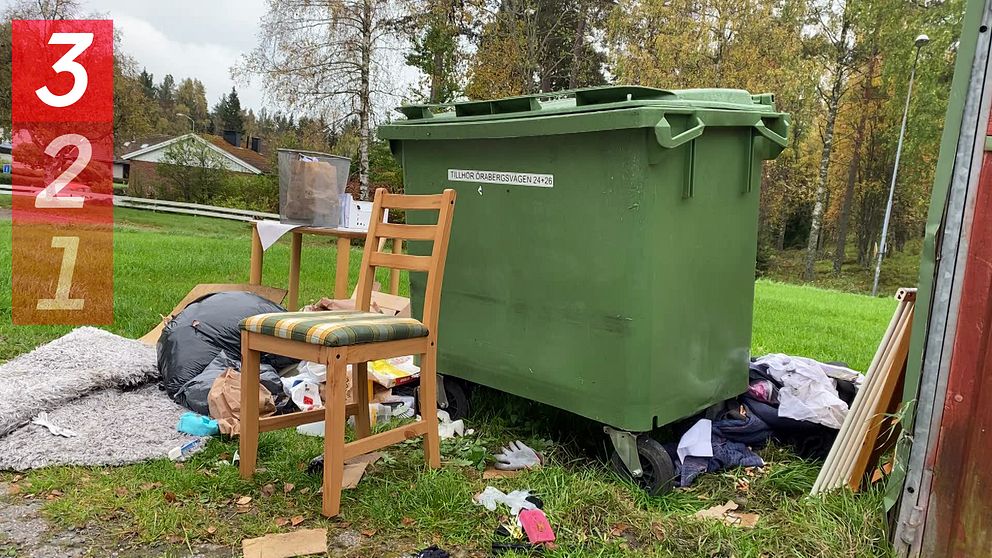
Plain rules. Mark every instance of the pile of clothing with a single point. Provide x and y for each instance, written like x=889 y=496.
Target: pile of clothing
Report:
x=792 y=400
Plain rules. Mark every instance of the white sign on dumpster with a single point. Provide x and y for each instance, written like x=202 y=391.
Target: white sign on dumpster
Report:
x=502 y=177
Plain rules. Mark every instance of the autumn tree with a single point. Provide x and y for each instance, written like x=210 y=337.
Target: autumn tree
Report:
x=529 y=46
x=191 y=99
x=328 y=57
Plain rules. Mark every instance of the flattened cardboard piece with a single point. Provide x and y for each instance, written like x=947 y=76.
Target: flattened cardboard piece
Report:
x=269 y=293
x=354 y=469
x=305 y=542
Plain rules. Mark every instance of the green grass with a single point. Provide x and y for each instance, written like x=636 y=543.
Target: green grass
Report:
x=400 y=505
x=900 y=269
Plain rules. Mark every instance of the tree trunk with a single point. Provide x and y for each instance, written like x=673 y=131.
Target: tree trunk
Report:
x=833 y=103
x=577 y=44
x=852 y=170
x=365 y=102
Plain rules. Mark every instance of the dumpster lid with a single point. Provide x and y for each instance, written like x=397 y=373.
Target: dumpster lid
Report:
x=609 y=97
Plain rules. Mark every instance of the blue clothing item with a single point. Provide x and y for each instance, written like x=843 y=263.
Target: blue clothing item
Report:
x=197 y=425
x=726 y=455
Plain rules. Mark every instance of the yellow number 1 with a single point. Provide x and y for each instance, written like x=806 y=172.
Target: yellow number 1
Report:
x=70 y=245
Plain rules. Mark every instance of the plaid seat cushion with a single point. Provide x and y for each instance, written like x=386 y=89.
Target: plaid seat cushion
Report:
x=336 y=328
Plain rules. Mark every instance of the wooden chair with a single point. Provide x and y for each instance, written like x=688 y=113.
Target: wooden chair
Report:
x=339 y=338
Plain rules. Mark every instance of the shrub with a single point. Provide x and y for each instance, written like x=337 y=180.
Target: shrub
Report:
x=247 y=191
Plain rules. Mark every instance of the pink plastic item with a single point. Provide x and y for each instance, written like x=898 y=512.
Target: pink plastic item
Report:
x=536 y=525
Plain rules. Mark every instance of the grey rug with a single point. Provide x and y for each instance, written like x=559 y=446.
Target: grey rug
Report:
x=112 y=427
x=82 y=361
x=86 y=382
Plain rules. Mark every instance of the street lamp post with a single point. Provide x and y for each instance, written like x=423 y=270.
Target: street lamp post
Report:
x=192 y=123
x=920 y=41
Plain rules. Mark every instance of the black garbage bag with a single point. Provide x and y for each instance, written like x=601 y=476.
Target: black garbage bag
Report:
x=194 y=393
x=205 y=328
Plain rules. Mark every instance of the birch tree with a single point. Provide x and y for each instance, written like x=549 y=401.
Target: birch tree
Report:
x=835 y=27
x=327 y=58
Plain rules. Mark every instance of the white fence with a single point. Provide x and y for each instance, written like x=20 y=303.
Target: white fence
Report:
x=181 y=207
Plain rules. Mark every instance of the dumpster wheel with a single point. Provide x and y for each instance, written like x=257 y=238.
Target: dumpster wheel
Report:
x=657 y=471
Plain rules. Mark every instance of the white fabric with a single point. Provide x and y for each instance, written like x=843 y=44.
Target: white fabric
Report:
x=808 y=393
x=43 y=420
x=516 y=500
x=271 y=231
x=697 y=441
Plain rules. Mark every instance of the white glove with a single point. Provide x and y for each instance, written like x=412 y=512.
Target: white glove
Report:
x=517 y=456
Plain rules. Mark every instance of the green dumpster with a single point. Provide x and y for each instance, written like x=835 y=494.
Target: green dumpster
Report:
x=602 y=254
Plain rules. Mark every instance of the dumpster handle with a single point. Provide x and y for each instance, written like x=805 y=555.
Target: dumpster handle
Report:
x=663 y=133
x=781 y=141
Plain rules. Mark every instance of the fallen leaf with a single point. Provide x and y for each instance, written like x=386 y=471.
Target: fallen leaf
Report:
x=407 y=521
x=745 y=520
x=296 y=520
x=260 y=469
x=268 y=490
x=244 y=500
x=658 y=531
x=717 y=512
x=179 y=465
x=121 y=492
x=224 y=456
x=19 y=477
x=170 y=497
x=174 y=539
x=288 y=487
x=211 y=530
x=14 y=489
x=618 y=529
x=305 y=490
x=56 y=493
x=281 y=522
x=151 y=485
x=344 y=524
x=243 y=509
x=369 y=532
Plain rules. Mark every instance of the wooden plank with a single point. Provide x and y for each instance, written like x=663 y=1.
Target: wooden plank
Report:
x=257 y=255
x=383 y=439
x=893 y=371
x=286 y=347
x=334 y=454
x=295 y=254
x=248 y=435
x=827 y=477
x=363 y=423
x=367 y=352
x=850 y=433
x=394 y=274
x=838 y=467
x=400 y=261
x=336 y=232
x=342 y=268
x=406 y=232
x=401 y=201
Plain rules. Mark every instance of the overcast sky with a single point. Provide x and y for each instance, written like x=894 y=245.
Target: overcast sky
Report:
x=201 y=39
x=187 y=38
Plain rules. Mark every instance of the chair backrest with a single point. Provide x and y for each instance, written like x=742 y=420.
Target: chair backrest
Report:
x=433 y=265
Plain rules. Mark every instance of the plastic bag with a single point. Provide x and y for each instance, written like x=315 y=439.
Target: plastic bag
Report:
x=194 y=393
x=195 y=336
x=225 y=402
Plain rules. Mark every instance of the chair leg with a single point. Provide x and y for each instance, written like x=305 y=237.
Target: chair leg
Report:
x=363 y=424
x=334 y=421
x=428 y=406
x=248 y=437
